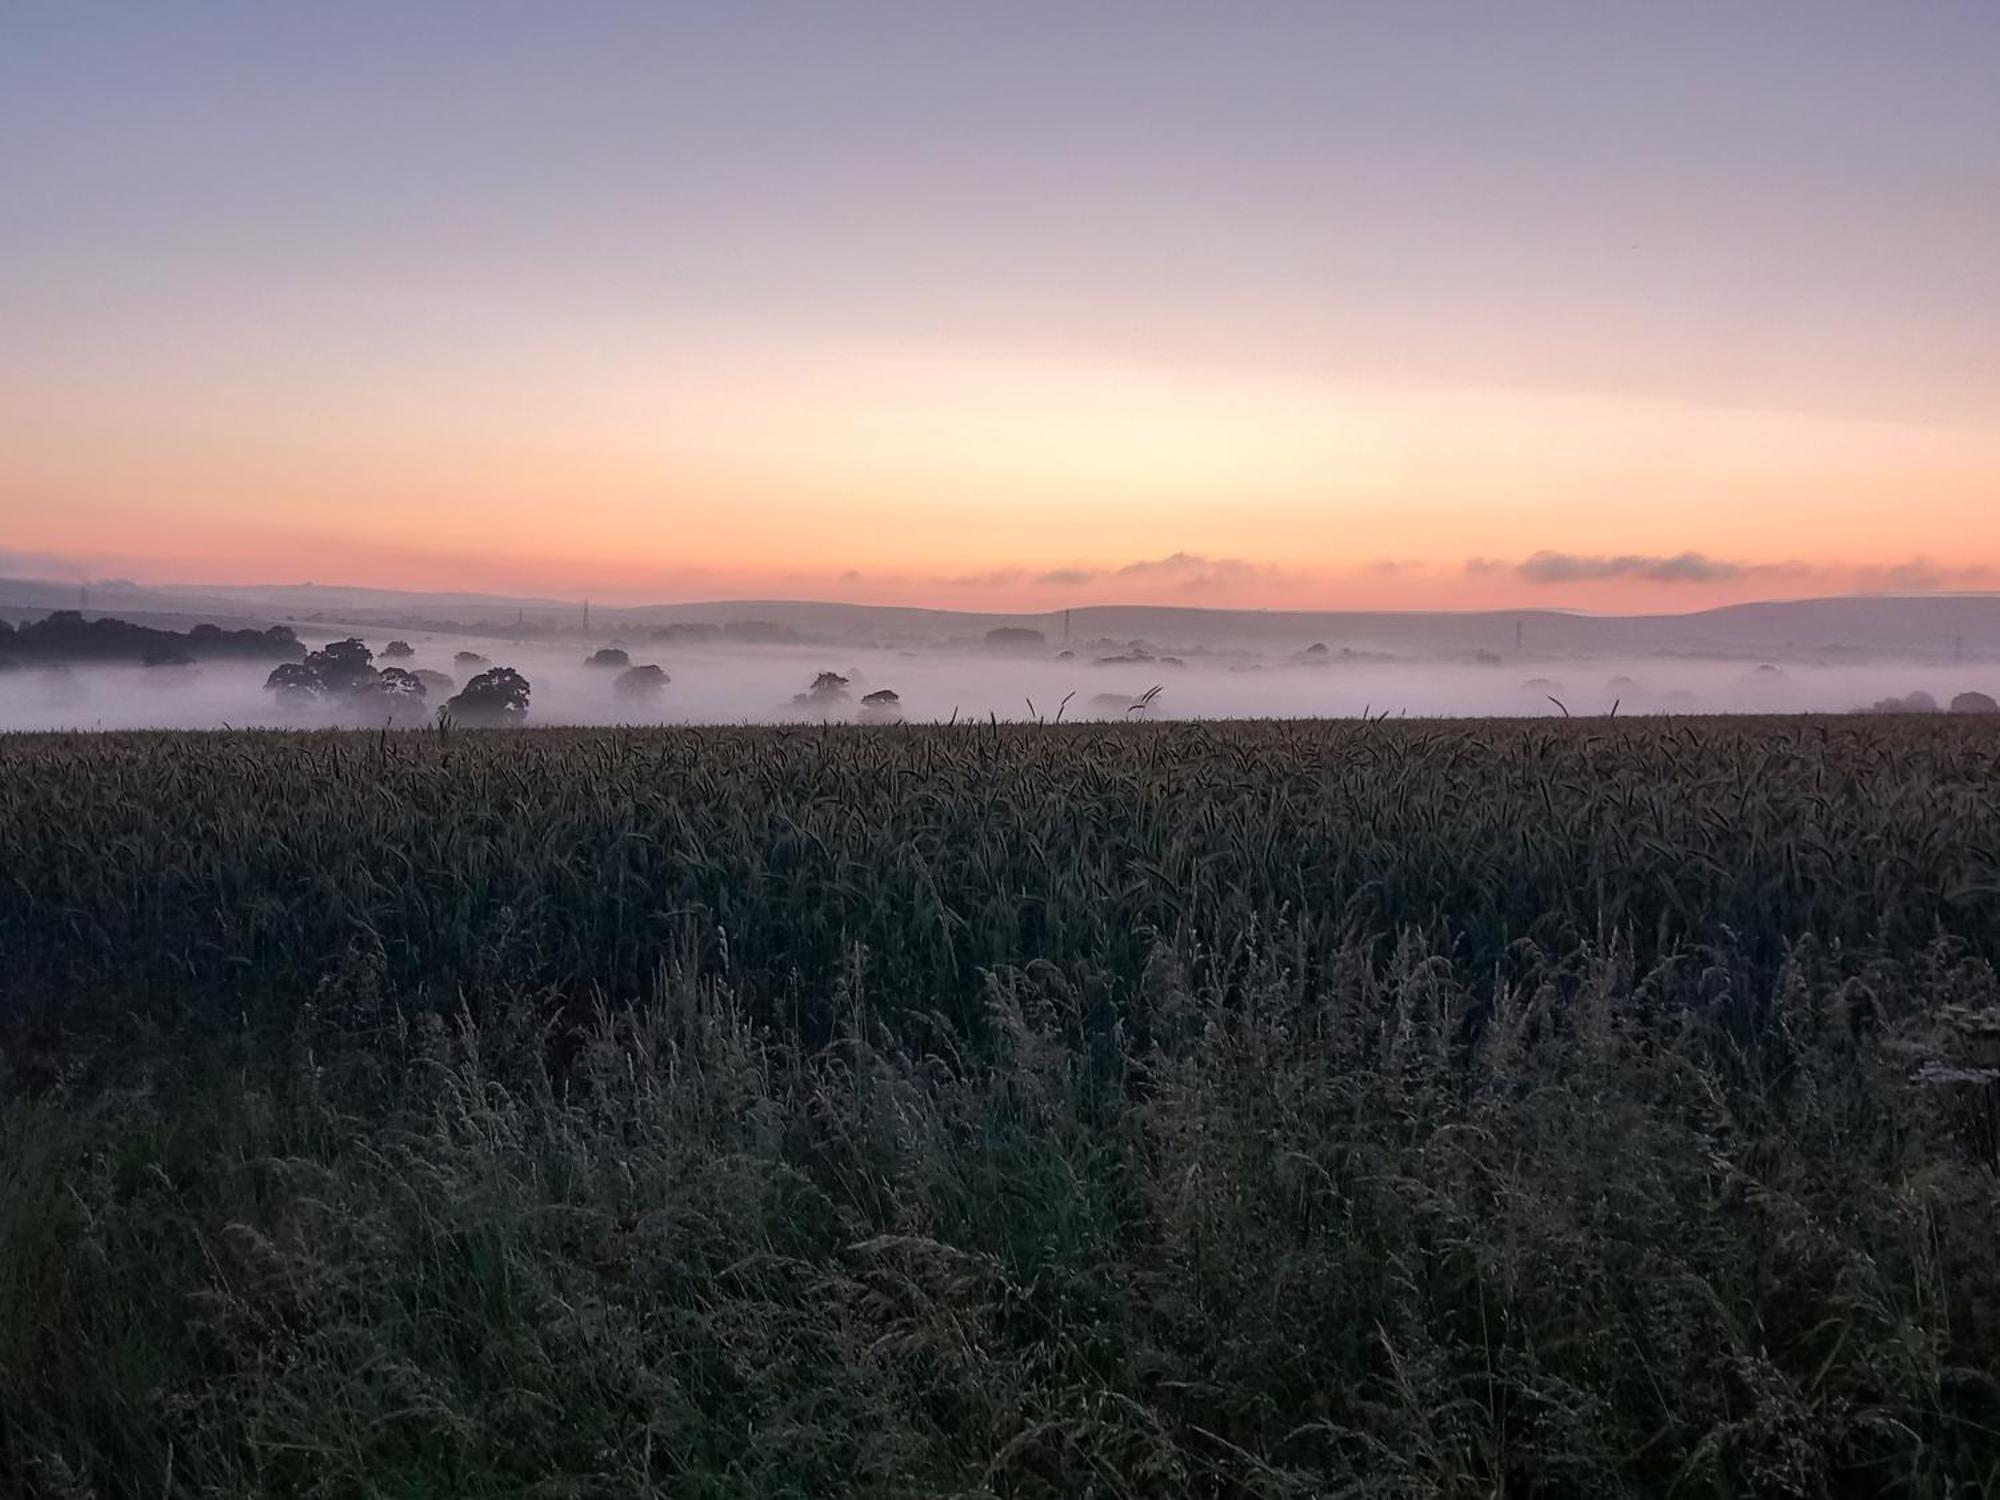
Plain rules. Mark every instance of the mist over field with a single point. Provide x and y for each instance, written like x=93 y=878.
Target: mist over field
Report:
x=773 y=661
x=722 y=684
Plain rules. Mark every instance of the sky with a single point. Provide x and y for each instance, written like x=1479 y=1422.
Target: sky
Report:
x=1611 y=306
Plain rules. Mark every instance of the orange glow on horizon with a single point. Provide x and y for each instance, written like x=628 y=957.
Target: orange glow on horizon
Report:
x=1613 y=308
x=934 y=478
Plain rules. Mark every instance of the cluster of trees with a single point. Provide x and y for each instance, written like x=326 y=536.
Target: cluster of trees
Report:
x=828 y=690
x=342 y=675
x=634 y=684
x=1139 y=654
x=828 y=693
x=1921 y=702
x=66 y=636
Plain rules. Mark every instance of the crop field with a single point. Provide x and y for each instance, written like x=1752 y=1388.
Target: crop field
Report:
x=1552 y=1108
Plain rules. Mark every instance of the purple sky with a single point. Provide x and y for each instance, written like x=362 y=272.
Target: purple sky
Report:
x=884 y=300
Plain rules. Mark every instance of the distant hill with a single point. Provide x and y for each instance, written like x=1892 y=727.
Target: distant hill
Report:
x=1926 y=626
x=1931 y=627
x=27 y=599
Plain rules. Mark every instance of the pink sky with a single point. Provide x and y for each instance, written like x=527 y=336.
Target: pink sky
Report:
x=1311 y=307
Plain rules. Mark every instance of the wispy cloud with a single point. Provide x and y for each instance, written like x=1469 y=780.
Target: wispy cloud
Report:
x=1921 y=576
x=1192 y=570
x=994 y=578
x=1188 y=572
x=1698 y=569
x=1680 y=567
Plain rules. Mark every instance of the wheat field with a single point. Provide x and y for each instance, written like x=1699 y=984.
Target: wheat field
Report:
x=1569 y=1108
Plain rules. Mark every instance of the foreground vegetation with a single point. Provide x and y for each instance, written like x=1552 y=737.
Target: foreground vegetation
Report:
x=1384 y=1109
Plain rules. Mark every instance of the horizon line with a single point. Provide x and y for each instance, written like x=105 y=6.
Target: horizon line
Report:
x=579 y=602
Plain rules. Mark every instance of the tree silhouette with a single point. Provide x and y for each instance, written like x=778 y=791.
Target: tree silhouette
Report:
x=495 y=698
x=66 y=636
x=344 y=665
x=394 y=682
x=297 y=684
x=827 y=693
x=397 y=650
x=339 y=671
x=1918 y=702
x=641 y=682
x=608 y=656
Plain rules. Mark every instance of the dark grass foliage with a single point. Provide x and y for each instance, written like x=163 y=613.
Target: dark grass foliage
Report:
x=1572 y=1109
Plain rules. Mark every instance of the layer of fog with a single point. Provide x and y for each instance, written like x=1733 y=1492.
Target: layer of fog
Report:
x=729 y=685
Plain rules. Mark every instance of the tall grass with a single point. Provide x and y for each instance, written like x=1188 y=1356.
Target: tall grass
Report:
x=1273 y=1110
